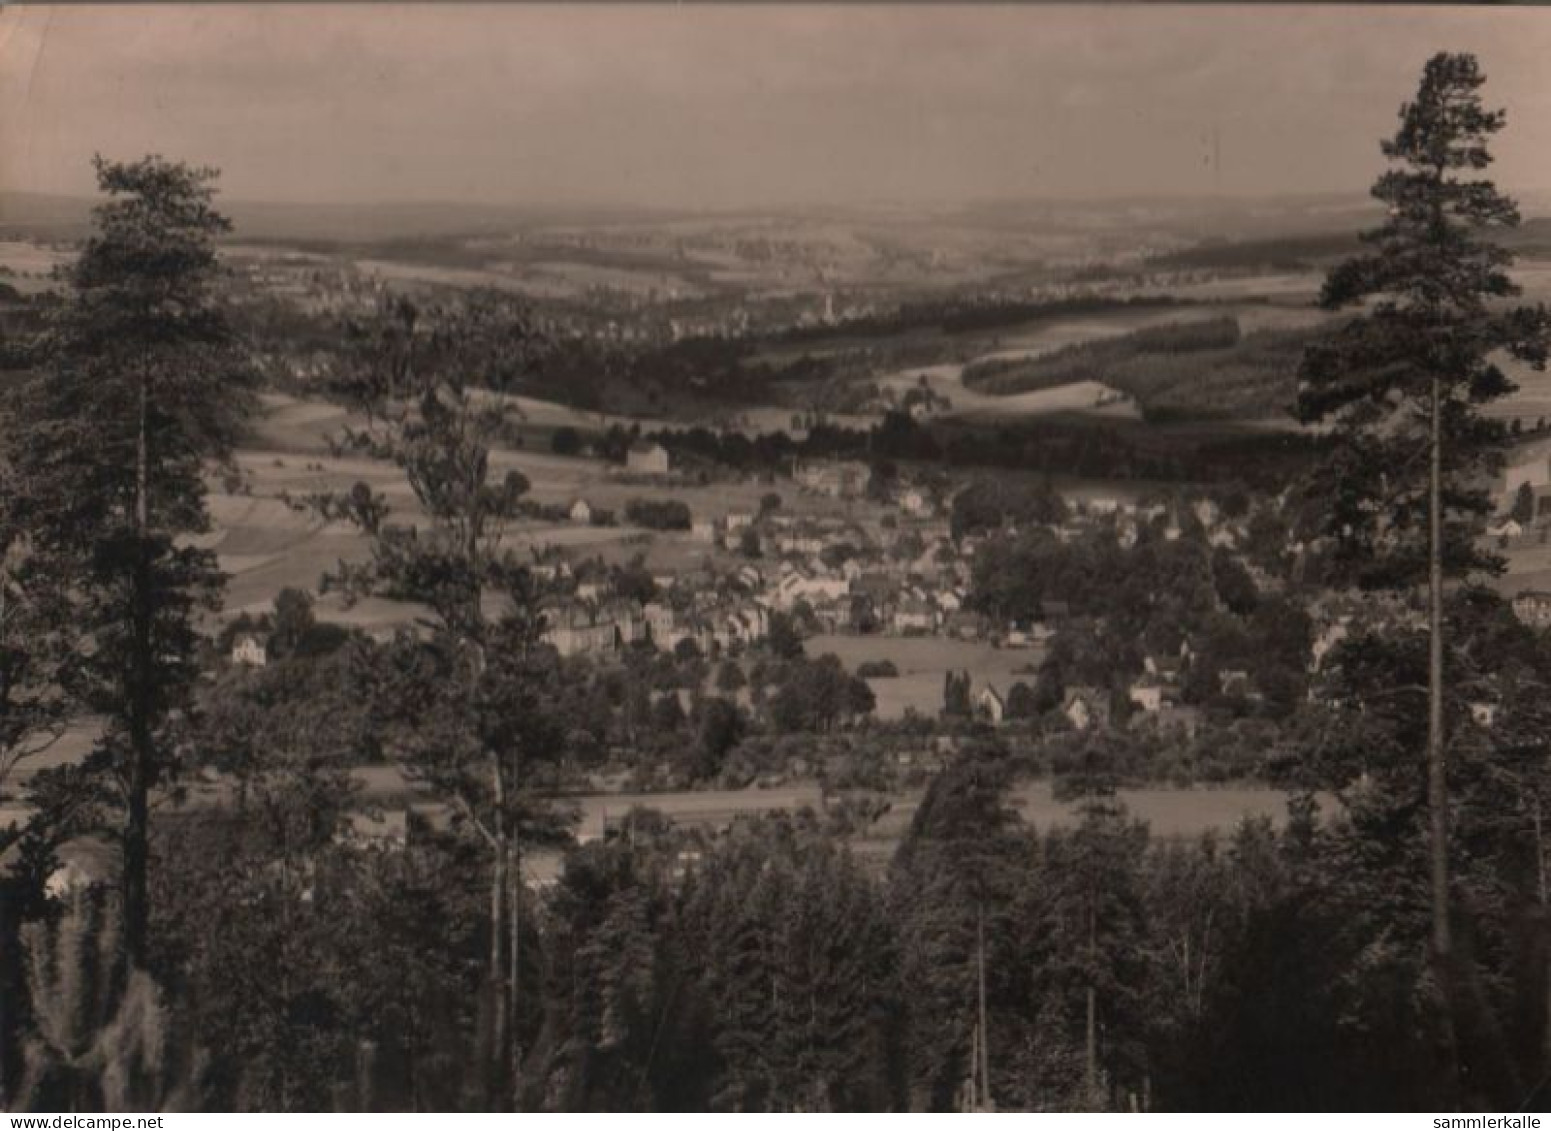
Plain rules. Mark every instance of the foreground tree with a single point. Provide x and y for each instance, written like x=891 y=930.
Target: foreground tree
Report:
x=141 y=381
x=464 y=702
x=1406 y=379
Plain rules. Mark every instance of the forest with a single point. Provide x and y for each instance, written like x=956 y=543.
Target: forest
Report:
x=1179 y=371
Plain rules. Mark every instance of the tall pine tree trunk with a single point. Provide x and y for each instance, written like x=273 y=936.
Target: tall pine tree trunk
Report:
x=513 y=987
x=136 y=833
x=1437 y=780
x=1545 y=929
x=496 y=1063
x=1437 y=769
x=984 y=1043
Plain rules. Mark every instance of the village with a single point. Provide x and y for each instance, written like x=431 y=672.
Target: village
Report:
x=837 y=556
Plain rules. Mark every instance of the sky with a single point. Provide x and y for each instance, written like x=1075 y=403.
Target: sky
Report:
x=708 y=106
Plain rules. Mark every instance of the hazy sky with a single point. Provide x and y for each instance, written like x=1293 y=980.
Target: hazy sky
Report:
x=701 y=105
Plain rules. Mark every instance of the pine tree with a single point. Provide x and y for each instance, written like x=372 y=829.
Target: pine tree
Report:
x=1406 y=378
x=141 y=381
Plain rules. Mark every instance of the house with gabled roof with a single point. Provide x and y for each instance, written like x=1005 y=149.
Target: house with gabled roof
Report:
x=1148 y=693
x=1086 y=708
x=990 y=705
x=648 y=458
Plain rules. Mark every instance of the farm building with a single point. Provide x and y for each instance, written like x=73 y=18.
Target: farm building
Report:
x=648 y=458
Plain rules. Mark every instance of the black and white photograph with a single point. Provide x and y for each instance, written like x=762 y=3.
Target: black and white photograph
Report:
x=775 y=558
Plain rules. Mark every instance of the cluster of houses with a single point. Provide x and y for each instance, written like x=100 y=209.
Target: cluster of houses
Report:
x=839 y=479
x=1090 y=708
x=714 y=622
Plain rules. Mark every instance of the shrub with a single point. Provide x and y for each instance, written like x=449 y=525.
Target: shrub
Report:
x=658 y=514
x=877 y=669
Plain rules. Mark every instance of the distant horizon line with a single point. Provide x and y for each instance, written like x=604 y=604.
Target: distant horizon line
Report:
x=599 y=205
x=584 y=208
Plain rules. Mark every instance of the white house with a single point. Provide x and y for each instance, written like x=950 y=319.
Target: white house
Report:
x=990 y=704
x=581 y=512
x=249 y=650
x=1147 y=693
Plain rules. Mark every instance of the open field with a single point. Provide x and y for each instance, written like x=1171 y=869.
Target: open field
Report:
x=1084 y=398
x=267 y=546
x=29 y=265
x=1529 y=565
x=1170 y=814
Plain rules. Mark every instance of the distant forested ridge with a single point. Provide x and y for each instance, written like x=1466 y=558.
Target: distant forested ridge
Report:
x=963 y=314
x=1199 y=370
